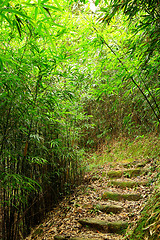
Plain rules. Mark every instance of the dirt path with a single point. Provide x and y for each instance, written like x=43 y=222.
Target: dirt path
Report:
x=108 y=203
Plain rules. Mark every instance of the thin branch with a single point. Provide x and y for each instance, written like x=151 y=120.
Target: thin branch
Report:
x=120 y=61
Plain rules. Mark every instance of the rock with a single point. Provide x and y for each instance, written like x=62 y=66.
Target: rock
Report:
x=109 y=208
x=128 y=184
x=117 y=227
x=115 y=173
x=119 y=196
x=143 y=163
x=128 y=173
x=107 y=227
x=58 y=237
x=78 y=238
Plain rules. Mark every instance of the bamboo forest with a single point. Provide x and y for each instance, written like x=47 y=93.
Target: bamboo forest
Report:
x=80 y=119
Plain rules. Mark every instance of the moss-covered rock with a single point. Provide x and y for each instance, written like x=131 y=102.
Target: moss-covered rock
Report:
x=112 y=227
x=127 y=172
x=109 y=208
x=115 y=173
x=84 y=238
x=59 y=237
x=127 y=184
x=117 y=227
x=143 y=163
x=119 y=196
x=136 y=164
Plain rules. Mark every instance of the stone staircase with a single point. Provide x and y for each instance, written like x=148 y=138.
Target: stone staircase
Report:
x=106 y=206
x=121 y=196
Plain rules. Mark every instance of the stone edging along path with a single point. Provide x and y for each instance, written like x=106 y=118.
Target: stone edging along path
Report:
x=108 y=203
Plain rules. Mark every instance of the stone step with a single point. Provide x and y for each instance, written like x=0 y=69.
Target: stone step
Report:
x=118 y=227
x=136 y=164
x=59 y=237
x=119 y=196
x=127 y=184
x=141 y=165
x=109 y=208
x=133 y=172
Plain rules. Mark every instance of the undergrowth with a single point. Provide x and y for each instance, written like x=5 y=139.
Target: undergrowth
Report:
x=126 y=150
x=148 y=227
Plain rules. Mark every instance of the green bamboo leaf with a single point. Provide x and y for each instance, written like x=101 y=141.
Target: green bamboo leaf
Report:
x=39 y=28
x=15 y=12
x=44 y=12
x=44 y=1
x=58 y=5
x=49 y=36
x=4 y=3
x=18 y=28
x=36 y=12
x=97 y=2
x=30 y=4
x=47 y=10
x=32 y=182
x=7 y=19
x=1 y=65
x=53 y=23
x=51 y=7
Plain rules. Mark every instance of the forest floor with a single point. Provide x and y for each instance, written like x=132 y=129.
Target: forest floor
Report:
x=114 y=192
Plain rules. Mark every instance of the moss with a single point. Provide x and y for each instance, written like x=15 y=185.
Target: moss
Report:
x=143 y=164
x=112 y=196
x=118 y=196
x=112 y=227
x=84 y=238
x=128 y=173
x=59 y=237
x=131 y=197
x=109 y=208
x=117 y=227
x=128 y=184
x=115 y=174
x=134 y=172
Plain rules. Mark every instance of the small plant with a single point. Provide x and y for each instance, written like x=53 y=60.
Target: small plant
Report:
x=94 y=210
x=127 y=174
x=99 y=198
x=111 y=213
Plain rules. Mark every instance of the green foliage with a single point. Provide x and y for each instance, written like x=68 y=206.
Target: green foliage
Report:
x=68 y=85
x=40 y=158
x=130 y=64
x=148 y=225
x=126 y=151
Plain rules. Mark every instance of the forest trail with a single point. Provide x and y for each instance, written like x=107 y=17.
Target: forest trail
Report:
x=104 y=206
